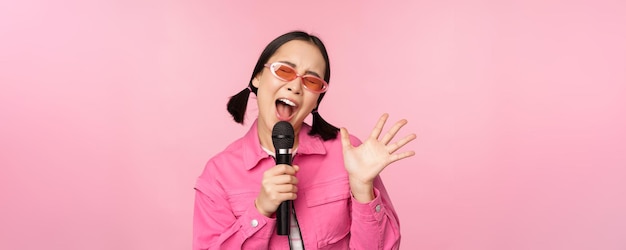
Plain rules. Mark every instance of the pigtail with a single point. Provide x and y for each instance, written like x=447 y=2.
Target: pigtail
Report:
x=322 y=128
x=237 y=105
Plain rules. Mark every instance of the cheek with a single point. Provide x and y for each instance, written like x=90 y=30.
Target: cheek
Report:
x=266 y=90
x=310 y=101
x=263 y=99
x=269 y=84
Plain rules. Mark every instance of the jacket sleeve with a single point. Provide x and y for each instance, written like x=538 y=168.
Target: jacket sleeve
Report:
x=215 y=225
x=375 y=223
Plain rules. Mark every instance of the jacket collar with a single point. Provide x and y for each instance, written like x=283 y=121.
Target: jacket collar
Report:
x=253 y=152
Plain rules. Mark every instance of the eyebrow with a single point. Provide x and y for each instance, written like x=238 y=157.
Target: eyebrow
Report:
x=308 y=72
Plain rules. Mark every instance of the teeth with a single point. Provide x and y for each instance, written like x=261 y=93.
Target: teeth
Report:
x=288 y=102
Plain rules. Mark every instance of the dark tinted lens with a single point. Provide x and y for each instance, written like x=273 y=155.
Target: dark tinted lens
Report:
x=285 y=72
x=313 y=83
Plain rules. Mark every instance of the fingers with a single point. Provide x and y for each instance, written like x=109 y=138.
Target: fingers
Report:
x=281 y=169
x=280 y=192
x=399 y=144
x=279 y=184
x=286 y=188
x=283 y=179
x=392 y=148
x=393 y=131
x=379 y=126
x=397 y=157
x=280 y=175
x=280 y=197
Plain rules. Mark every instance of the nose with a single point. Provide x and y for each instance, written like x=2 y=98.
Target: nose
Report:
x=295 y=85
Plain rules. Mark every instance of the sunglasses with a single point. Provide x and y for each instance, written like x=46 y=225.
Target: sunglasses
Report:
x=287 y=73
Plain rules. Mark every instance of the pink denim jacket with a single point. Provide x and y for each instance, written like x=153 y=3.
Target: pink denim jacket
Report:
x=225 y=216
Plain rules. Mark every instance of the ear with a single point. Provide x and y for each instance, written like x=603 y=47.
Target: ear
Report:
x=256 y=80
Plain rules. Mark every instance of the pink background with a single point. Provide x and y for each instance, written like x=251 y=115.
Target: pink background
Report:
x=109 y=110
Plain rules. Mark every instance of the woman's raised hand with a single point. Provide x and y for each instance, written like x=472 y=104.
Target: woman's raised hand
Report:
x=365 y=162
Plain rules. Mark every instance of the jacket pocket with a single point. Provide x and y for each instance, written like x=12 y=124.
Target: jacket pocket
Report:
x=330 y=203
x=241 y=202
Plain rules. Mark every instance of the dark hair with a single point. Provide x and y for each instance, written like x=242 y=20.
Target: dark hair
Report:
x=238 y=103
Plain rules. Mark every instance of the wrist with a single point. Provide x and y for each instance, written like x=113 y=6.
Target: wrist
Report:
x=261 y=211
x=362 y=191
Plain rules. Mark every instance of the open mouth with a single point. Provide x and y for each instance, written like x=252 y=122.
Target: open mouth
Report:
x=285 y=109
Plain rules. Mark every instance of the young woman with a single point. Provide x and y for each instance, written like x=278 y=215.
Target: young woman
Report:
x=339 y=200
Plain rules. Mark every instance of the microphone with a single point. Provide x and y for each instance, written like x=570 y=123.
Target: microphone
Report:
x=283 y=139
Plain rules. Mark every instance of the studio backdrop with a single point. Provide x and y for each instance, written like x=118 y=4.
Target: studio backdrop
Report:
x=110 y=109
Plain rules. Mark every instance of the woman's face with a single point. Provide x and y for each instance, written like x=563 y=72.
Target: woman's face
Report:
x=280 y=100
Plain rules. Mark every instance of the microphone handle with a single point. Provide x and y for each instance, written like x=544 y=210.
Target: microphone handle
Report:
x=283 y=213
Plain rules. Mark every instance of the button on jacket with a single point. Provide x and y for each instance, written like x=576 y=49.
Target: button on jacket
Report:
x=225 y=216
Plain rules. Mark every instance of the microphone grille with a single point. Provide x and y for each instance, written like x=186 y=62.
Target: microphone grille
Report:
x=282 y=135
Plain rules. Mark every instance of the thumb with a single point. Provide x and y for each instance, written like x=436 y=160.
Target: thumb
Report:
x=345 y=138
